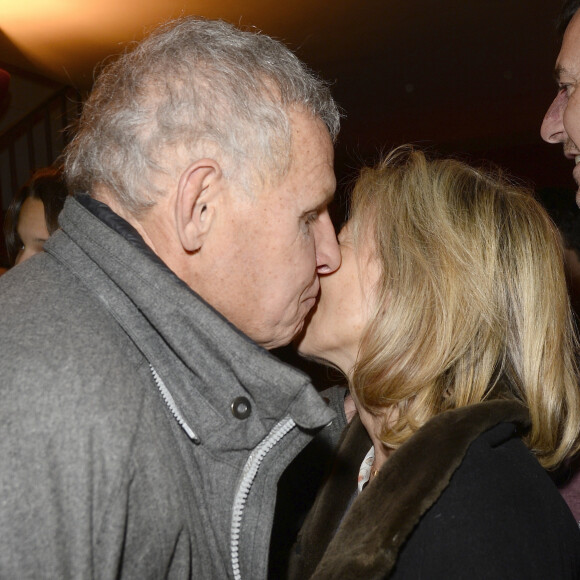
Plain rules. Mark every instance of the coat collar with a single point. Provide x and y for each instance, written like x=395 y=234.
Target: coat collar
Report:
x=196 y=351
x=416 y=475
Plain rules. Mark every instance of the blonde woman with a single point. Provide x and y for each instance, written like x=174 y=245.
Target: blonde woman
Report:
x=450 y=318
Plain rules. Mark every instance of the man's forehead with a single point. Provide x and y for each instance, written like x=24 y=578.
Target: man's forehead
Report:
x=327 y=199
x=316 y=198
x=568 y=62
x=328 y=188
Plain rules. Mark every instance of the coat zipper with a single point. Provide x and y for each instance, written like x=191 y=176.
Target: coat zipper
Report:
x=248 y=475
x=166 y=395
x=250 y=469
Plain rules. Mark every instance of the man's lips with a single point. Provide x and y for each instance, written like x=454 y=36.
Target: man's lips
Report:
x=574 y=155
x=576 y=170
x=312 y=298
x=310 y=302
x=313 y=292
x=571 y=151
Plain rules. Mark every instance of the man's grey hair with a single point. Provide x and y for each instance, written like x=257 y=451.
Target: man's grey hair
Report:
x=193 y=83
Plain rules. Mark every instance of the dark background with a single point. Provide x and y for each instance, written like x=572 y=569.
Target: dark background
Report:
x=467 y=77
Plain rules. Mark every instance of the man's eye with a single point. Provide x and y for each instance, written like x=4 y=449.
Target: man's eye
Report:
x=311 y=217
x=564 y=88
x=308 y=220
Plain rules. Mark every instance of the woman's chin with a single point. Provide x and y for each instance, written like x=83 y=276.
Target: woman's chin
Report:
x=312 y=342
x=309 y=348
x=305 y=339
x=302 y=342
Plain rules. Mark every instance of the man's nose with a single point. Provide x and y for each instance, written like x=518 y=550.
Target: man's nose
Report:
x=552 y=129
x=328 y=256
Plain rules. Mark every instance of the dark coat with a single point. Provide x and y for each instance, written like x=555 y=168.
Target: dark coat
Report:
x=462 y=498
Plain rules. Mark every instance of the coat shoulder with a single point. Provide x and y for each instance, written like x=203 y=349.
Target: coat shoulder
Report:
x=500 y=516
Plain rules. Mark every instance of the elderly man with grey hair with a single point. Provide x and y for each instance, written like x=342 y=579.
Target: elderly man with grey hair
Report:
x=144 y=424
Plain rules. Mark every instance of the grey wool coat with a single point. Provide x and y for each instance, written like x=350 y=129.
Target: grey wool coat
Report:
x=141 y=434
x=462 y=498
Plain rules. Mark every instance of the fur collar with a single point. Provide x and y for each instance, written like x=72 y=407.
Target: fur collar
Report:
x=416 y=474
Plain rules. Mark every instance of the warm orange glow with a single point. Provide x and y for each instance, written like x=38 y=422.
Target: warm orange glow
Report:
x=64 y=39
x=12 y=10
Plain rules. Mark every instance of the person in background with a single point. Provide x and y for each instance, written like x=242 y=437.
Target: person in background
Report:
x=561 y=122
x=33 y=214
x=144 y=423
x=450 y=317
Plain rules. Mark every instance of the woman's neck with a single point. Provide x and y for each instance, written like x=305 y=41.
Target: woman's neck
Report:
x=374 y=426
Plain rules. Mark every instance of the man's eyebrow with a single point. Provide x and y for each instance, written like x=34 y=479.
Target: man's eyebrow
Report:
x=560 y=71
x=330 y=197
x=327 y=201
x=321 y=206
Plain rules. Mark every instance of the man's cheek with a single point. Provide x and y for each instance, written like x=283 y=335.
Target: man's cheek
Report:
x=571 y=117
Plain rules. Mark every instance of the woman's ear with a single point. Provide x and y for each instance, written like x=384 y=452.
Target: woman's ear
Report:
x=197 y=196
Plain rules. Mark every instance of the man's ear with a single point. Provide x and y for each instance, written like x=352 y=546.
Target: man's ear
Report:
x=197 y=195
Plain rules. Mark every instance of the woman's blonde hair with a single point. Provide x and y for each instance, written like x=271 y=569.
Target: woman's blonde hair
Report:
x=471 y=302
